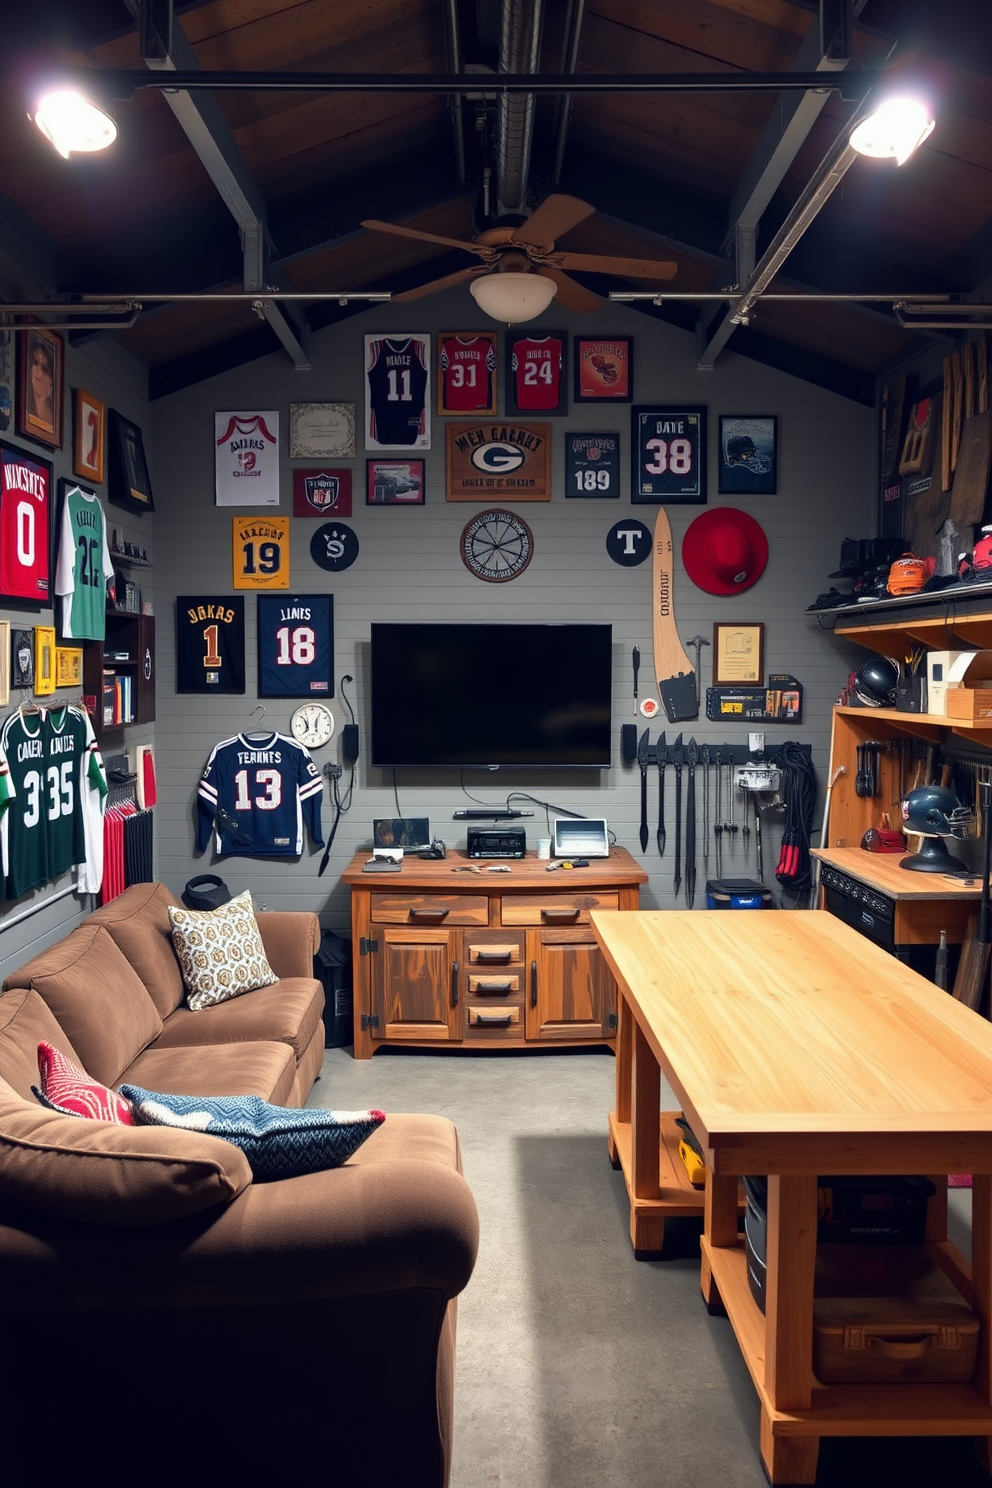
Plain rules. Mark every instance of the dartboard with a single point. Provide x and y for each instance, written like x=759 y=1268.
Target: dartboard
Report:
x=497 y=546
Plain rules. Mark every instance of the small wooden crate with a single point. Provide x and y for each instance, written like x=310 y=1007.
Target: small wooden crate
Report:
x=973 y=703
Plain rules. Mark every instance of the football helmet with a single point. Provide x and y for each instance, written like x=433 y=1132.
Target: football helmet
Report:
x=935 y=811
x=742 y=450
x=875 y=682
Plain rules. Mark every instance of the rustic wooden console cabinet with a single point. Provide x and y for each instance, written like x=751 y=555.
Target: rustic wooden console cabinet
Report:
x=453 y=953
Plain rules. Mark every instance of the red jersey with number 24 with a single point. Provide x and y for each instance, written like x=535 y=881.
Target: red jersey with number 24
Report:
x=537 y=373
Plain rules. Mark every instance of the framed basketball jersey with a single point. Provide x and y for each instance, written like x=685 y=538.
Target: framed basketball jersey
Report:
x=397 y=392
x=261 y=552
x=295 y=645
x=466 y=372
x=210 y=643
x=536 y=379
x=25 y=525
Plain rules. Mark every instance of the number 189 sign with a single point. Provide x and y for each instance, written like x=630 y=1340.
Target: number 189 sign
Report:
x=669 y=459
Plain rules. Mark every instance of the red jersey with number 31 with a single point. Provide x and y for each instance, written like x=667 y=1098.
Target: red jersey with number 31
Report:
x=467 y=366
x=24 y=492
x=537 y=372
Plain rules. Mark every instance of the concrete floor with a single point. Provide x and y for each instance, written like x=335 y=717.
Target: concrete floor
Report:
x=579 y=1367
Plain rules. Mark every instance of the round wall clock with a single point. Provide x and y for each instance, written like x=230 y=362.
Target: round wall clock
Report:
x=497 y=546
x=312 y=725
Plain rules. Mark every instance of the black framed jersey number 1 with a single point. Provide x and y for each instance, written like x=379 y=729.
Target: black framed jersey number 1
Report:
x=296 y=645
x=210 y=643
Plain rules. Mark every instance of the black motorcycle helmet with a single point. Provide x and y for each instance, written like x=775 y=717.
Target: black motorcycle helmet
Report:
x=875 y=682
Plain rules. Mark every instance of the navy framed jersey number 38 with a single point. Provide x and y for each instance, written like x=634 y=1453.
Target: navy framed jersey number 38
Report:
x=295 y=645
x=669 y=455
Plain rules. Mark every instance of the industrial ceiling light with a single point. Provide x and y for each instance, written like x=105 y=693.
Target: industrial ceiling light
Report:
x=896 y=128
x=73 y=124
x=512 y=297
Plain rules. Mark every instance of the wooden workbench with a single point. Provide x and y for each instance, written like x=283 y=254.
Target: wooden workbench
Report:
x=796 y=1047
x=925 y=903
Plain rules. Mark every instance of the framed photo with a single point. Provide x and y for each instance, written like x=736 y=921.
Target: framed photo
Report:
x=22 y=659
x=322 y=493
x=398 y=392
x=738 y=654
x=668 y=455
x=27 y=529
x=261 y=552
x=394 y=482
x=40 y=385
x=536 y=372
x=4 y=663
x=44 y=659
x=296 y=645
x=321 y=431
x=592 y=465
x=89 y=436
x=604 y=369
x=68 y=666
x=747 y=454
x=128 y=483
x=466 y=372
x=7 y=381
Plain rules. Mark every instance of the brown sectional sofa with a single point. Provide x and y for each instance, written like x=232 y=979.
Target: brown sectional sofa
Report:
x=160 y=1310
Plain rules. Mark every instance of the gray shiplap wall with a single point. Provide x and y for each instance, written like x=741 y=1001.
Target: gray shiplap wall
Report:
x=118 y=379
x=409 y=569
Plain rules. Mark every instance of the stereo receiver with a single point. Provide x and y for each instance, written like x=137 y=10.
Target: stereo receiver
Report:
x=497 y=842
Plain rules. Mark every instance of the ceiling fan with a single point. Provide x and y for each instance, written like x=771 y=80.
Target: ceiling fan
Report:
x=529 y=248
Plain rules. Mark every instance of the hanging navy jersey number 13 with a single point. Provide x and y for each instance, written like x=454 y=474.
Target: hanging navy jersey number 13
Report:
x=295 y=645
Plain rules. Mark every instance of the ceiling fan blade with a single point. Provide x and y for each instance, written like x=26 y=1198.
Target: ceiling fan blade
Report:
x=628 y=268
x=571 y=294
x=422 y=237
x=553 y=217
x=458 y=277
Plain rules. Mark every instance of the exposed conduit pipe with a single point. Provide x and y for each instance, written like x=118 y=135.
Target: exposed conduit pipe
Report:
x=519 y=52
x=570 y=61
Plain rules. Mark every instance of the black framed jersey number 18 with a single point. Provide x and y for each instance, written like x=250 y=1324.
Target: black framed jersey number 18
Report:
x=261 y=552
x=668 y=455
x=295 y=645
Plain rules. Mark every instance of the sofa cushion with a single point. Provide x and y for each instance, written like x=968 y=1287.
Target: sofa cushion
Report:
x=70 y=1091
x=25 y=1020
x=98 y=999
x=220 y=952
x=278 y=1142
x=99 y=1173
x=289 y=1010
x=263 y=1068
x=138 y=923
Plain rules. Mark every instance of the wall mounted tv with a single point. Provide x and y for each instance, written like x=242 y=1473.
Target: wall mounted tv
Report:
x=492 y=697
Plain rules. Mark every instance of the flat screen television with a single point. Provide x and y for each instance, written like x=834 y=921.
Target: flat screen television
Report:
x=492 y=697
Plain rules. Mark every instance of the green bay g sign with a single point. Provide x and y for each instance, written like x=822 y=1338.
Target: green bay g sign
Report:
x=498 y=459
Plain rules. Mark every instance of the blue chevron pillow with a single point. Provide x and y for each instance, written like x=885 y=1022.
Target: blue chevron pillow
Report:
x=278 y=1141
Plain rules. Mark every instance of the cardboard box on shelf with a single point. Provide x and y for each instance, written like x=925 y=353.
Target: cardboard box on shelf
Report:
x=949 y=671
x=971 y=703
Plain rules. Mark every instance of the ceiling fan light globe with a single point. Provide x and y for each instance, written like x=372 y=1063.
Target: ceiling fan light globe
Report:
x=73 y=124
x=513 y=298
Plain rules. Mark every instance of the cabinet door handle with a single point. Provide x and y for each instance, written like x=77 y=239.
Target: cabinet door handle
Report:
x=428 y=914
x=560 y=916
x=533 y=984
x=454 y=984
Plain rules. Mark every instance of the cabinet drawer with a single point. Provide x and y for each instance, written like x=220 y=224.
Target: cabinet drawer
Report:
x=494 y=950
x=505 y=1022
x=556 y=909
x=429 y=909
x=495 y=984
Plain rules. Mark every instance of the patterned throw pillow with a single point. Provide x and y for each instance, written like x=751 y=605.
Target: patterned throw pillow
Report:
x=278 y=1141
x=66 y=1089
x=220 y=952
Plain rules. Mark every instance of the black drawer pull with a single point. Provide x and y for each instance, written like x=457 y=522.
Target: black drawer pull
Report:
x=533 y=984
x=560 y=916
x=494 y=989
x=493 y=1020
x=454 y=984
x=428 y=914
x=498 y=957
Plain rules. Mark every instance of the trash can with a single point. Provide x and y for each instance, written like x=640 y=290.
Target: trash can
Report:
x=737 y=893
x=332 y=968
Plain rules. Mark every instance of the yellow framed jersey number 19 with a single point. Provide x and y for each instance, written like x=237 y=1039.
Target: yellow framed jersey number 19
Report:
x=261 y=552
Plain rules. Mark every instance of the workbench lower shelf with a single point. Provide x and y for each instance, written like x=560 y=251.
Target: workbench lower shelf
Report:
x=676 y=1197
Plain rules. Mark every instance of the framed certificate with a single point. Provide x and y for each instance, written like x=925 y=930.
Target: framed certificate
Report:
x=738 y=654
x=321 y=431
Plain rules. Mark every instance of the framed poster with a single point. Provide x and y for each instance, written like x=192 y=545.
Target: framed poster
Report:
x=68 y=666
x=89 y=436
x=748 y=454
x=466 y=372
x=322 y=493
x=261 y=552
x=738 y=654
x=604 y=369
x=26 y=526
x=505 y=461
x=668 y=455
x=40 y=379
x=44 y=659
x=397 y=392
x=246 y=459
x=210 y=643
x=6 y=380
x=22 y=658
x=295 y=645
x=321 y=431
x=4 y=663
x=128 y=483
x=536 y=377
x=592 y=465
x=394 y=482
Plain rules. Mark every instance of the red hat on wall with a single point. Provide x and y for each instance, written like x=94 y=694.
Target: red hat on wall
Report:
x=724 y=551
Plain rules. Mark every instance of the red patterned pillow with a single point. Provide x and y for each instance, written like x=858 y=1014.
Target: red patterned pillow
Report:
x=65 y=1088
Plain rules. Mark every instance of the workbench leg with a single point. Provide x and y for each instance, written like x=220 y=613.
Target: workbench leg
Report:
x=981 y=1276
x=719 y=1227
x=788 y=1459
x=646 y=1230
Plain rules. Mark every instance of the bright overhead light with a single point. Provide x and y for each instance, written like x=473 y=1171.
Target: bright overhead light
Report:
x=896 y=128
x=73 y=124
x=512 y=297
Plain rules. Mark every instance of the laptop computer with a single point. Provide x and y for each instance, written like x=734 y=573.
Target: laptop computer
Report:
x=585 y=838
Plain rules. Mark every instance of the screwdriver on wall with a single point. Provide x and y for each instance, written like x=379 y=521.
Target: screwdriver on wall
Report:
x=636 y=658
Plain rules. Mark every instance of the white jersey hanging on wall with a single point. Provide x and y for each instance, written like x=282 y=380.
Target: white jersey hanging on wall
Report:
x=246 y=458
